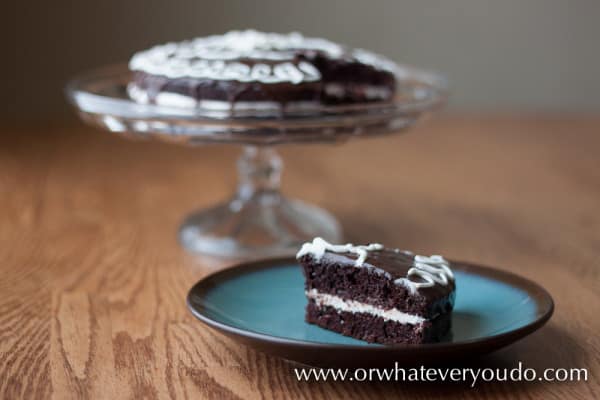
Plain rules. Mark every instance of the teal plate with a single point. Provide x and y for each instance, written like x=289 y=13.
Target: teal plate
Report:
x=262 y=304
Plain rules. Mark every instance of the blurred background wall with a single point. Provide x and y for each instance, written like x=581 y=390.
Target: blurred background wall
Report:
x=510 y=55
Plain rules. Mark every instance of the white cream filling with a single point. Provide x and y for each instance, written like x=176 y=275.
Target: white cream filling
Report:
x=174 y=100
x=169 y=99
x=324 y=299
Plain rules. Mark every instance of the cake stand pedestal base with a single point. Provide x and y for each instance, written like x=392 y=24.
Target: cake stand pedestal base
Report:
x=258 y=221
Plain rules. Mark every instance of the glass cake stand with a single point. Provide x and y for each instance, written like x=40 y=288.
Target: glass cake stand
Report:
x=257 y=220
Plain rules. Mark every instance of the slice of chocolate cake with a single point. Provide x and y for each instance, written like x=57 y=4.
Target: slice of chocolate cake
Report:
x=377 y=294
x=257 y=70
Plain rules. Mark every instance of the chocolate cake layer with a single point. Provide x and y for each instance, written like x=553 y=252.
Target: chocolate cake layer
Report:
x=256 y=67
x=375 y=329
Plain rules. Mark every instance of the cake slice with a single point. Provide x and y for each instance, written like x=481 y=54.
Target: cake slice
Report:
x=377 y=294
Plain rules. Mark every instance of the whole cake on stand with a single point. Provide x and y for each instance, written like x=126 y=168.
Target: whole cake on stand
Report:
x=256 y=89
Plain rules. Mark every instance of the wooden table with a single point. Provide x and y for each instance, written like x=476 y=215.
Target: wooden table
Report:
x=93 y=281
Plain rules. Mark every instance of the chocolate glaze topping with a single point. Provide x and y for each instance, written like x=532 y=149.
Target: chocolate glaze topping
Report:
x=392 y=264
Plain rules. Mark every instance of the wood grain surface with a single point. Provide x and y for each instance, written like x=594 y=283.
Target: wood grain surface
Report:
x=93 y=282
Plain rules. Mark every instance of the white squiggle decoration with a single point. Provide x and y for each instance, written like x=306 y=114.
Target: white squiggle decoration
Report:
x=218 y=57
x=432 y=270
x=319 y=246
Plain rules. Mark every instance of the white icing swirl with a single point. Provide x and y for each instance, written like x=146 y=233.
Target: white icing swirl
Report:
x=319 y=246
x=220 y=57
x=432 y=270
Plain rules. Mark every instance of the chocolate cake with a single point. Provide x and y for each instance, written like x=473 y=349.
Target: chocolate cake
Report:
x=250 y=69
x=377 y=294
